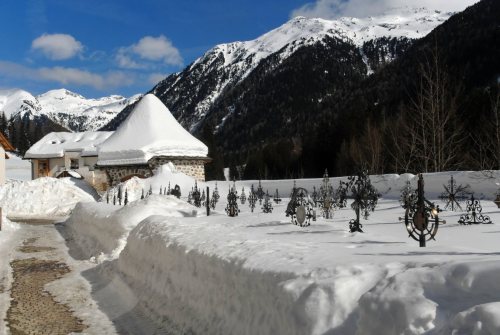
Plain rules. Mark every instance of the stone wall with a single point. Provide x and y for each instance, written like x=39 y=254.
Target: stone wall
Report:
x=116 y=174
x=192 y=167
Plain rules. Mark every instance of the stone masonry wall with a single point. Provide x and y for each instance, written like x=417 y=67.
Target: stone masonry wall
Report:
x=117 y=173
x=192 y=167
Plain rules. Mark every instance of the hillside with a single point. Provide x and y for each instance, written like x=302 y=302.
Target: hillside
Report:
x=191 y=93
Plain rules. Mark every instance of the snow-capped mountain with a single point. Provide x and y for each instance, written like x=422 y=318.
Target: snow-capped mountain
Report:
x=226 y=65
x=64 y=107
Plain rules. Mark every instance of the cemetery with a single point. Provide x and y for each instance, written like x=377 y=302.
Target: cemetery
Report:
x=385 y=240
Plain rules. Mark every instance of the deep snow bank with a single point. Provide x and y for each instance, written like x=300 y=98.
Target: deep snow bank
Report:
x=100 y=230
x=7 y=247
x=208 y=278
x=202 y=294
x=42 y=197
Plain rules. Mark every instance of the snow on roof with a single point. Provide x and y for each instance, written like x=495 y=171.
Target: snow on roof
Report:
x=149 y=131
x=57 y=143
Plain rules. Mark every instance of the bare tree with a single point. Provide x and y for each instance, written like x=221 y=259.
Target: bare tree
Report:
x=433 y=118
x=486 y=142
x=400 y=146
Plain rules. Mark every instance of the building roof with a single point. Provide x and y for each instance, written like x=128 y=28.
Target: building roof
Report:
x=54 y=145
x=5 y=143
x=149 y=131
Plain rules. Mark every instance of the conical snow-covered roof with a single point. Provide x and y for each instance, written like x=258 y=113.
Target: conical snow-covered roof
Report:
x=150 y=130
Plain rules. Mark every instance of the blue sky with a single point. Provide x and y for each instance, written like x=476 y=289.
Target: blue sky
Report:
x=102 y=47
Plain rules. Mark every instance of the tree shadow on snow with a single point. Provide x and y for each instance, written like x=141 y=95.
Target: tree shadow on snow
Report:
x=433 y=253
x=269 y=224
x=365 y=242
x=300 y=232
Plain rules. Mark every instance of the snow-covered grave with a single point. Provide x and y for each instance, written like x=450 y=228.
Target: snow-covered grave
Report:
x=259 y=274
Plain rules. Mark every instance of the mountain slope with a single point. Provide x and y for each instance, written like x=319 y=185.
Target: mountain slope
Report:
x=190 y=94
x=329 y=97
x=70 y=110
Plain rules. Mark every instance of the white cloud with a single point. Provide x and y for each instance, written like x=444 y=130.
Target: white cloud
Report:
x=57 y=46
x=155 y=78
x=149 y=48
x=158 y=49
x=67 y=76
x=330 y=9
x=124 y=60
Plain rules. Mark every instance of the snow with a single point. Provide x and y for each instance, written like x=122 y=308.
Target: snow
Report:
x=17 y=168
x=7 y=243
x=408 y=22
x=150 y=130
x=242 y=57
x=42 y=197
x=258 y=273
x=104 y=237
x=55 y=144
x=64 y=107
x=12 y=101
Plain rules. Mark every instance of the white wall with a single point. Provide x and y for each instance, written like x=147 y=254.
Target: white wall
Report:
x=2 y=165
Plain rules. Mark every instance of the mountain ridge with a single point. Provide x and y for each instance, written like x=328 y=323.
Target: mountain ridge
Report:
x=68 y=109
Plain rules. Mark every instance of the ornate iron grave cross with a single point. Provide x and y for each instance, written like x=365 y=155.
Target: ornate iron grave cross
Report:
x=326 y=197
x=474 y=213
x=365 y=198
x=196 y=195
x=454 y=194
x=215 y=197
x=268 y=206
x=232 y=203
x=300 y=207
x=260 y=193
x=252 y=199
x=421 y=216
x=277 y=198
x=243 y=196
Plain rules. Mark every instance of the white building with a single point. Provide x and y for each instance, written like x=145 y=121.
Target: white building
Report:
x=60 y=154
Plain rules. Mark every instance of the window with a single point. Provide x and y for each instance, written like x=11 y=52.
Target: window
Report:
x=74 y=164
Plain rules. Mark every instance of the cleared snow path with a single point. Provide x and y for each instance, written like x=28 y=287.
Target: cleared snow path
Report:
x=40 y=264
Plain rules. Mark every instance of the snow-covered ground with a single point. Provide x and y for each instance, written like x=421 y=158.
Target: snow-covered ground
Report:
x=258 y=273
x=7 y=243
x=43 y=197
x=16 y=168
